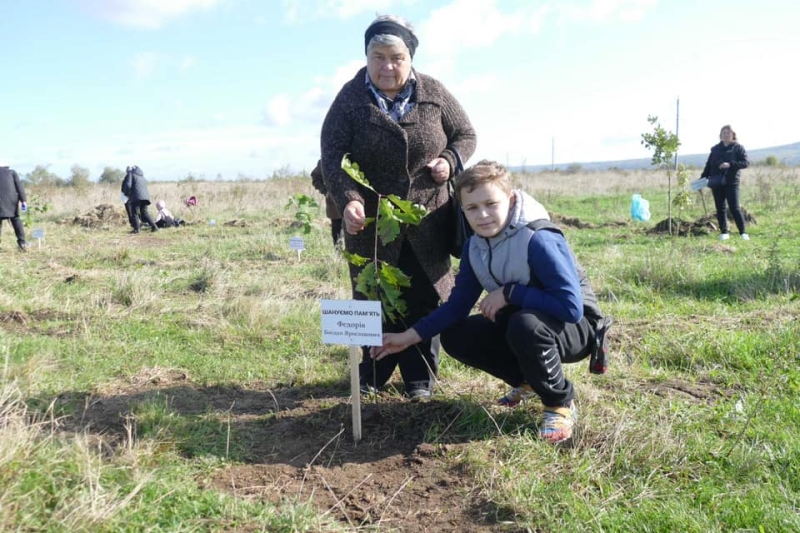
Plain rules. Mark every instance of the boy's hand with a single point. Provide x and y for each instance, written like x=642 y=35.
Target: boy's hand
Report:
x=393 y=343
x=493 y=303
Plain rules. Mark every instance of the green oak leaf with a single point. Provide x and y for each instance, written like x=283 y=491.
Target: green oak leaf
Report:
x=355 y=259
x=388 y=227
x=395 y=276
x=367 y=283
x=352 y=170
x=391 y=298
x=407 y=212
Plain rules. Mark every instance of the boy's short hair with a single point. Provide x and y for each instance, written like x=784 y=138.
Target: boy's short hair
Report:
x=481 y=173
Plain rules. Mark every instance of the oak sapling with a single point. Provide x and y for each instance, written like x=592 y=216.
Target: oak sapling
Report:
x=664 y=145
x=303 y=203
x=378 y=280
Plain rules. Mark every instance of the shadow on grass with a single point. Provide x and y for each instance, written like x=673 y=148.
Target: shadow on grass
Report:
x=294 y=426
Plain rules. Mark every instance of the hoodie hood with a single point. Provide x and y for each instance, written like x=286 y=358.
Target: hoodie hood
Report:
x=526 y=209
x=504 y=257
x=137 y=171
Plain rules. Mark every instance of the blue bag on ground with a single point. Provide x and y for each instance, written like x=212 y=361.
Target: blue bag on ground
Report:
x=640 y=208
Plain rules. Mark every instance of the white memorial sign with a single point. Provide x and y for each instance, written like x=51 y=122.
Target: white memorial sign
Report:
x=297 y=243
x=356 y=323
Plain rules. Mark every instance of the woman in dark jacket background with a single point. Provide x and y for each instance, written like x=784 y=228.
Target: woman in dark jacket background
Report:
x=134 y=187
x=403 y=129
x=728 y=157
x=12 y=194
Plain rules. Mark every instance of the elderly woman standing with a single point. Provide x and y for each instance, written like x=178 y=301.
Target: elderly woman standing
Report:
x=404 y=129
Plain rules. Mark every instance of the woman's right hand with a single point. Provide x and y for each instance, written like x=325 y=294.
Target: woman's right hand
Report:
x=354 y=217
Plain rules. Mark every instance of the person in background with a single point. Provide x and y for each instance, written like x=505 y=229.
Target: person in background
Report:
x=12 y=198
x=539 y=311
x=134 y=187
x=331 y=211
x=730 y=158
x=165 y=218
x=403 y=129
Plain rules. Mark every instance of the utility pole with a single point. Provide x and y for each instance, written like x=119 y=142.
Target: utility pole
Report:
x=669 y=185
x=677 y=123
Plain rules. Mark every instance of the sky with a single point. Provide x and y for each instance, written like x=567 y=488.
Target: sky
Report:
x=240 y=88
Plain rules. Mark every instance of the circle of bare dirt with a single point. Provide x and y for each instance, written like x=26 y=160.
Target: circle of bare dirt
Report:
x=295 y=444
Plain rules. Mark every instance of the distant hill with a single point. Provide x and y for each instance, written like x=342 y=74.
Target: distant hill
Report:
x=788 y=154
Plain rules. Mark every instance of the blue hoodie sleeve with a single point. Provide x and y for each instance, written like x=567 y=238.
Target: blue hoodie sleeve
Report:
x=462 y=298
x=552 y=263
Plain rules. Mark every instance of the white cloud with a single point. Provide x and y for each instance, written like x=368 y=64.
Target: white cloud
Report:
x=171 y=154
x=187 y=63
x=147 y=64
x=311 y=106
x=278 y=111
x=603 y=10
x=297 y=10
x=478 y=22
x=144 y=64
x=148 y=14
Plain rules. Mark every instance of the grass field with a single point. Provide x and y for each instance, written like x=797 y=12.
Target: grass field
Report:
x=177 y=381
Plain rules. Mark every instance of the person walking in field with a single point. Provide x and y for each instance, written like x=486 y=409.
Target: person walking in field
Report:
x=134 y=187
x=728 y=158
x=539 y=311
x=12 y=198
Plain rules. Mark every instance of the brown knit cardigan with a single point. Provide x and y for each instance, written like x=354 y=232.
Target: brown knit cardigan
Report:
x=393 y=156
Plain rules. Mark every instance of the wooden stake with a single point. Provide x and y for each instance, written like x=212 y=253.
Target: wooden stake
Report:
x=355 y=391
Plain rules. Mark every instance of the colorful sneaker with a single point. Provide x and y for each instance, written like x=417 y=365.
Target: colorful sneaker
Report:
x=558 y=423
x=516 y=395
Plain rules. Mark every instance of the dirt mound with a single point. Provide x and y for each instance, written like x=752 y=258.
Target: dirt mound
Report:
x=102 y=215
x=295 y=444
x=572 y=222
x=236 y=223
x=702 y=226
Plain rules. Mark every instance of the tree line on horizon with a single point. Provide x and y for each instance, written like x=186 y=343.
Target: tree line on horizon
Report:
x=80 y=177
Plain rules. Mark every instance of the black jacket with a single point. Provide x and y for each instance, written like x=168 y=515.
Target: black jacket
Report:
x=134 y=186
x=734 y=154
x=11 y=193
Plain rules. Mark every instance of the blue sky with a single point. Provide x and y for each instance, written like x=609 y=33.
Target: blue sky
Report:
x=234 y=87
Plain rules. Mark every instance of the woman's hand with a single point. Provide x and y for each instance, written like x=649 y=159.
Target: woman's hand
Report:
x=354 y=217
x=394 y=342
x=440 y=170
x=725 y=166
x=493 y=303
